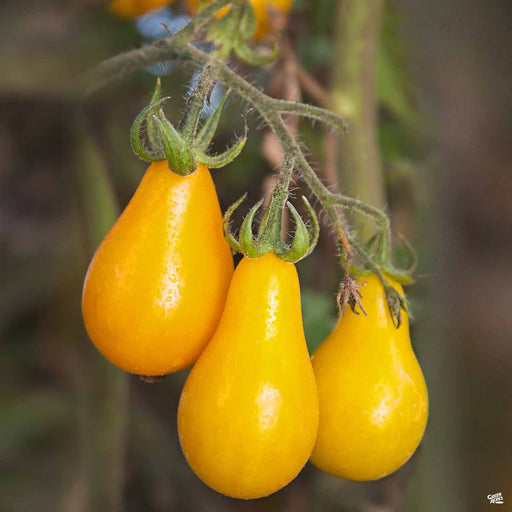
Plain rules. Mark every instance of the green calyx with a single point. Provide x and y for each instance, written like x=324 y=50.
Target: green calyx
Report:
x=183 y=147
x=234 y=30
x=268 y=237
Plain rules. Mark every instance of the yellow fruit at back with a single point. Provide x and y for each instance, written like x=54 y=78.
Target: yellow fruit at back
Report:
x=373 y=398
x=262 y=10
x=156 y=287
x=248 y=415
x=133 y=8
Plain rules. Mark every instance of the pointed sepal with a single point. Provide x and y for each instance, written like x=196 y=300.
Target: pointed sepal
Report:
x=300 y=243
x=314 y=228
x=304 y=239
x=150 y=123
x=155 y=152
x=177 y=152
x=226 y=225
x=222 y=159
x=226 y=157
x=248 y=244
x=252 y=57
x=396 y=303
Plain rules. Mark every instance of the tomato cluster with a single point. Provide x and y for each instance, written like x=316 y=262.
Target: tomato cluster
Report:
x=160 y=294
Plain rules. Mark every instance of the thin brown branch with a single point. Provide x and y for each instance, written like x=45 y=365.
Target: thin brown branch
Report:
x=312 y=86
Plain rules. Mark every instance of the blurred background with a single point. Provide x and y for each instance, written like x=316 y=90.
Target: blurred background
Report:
x=432 y=143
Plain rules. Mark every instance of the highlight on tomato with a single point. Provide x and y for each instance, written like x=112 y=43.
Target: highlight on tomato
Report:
x=373 y=397
x=155 y=289
x=248 y=414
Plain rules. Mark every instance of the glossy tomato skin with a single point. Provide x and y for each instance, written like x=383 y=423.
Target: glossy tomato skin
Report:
x=248 y=414
x=373 y=397
x=134 y=8
x=262 y=10
x=156 y=287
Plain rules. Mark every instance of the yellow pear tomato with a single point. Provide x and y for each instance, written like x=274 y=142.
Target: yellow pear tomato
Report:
x=373 y=397
x=134 y=8
x=156 y=287
x=262 y=9
x=248 y=414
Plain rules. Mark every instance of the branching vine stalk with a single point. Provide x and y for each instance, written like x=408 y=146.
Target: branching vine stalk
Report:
x=272 y=221
x=196 y=102
x=357 y=259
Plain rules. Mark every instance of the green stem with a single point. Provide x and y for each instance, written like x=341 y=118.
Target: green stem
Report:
x=311 y=112
x=354 y=97
x=203 y=88
x=271 y=231
x=379 y=217
x=195 y=104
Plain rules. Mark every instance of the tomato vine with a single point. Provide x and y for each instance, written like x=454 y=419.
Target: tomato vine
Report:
x=357 y=258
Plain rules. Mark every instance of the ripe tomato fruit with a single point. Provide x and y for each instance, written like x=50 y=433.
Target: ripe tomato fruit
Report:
x=133 y=8
x=156 y=287
x=262 y=9
x=248 y=414
x=373 y=397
